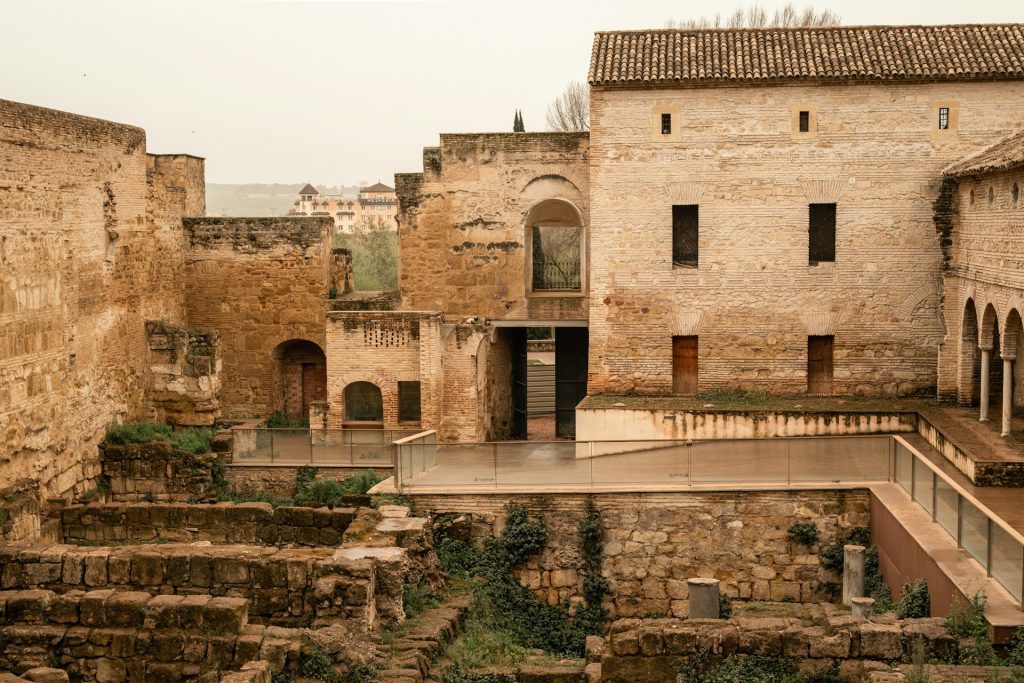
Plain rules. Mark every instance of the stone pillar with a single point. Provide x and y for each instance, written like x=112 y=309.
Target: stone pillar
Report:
x=318 y=412
x=1007 y=395
x=703 y=598
x=853 y=573
x=983 y=417
x=862 y=607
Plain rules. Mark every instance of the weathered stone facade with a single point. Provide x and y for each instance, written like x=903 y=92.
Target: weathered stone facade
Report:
x=754 y=299
x=185 y=374
x=259 y=283
x=91 y=233
x=463 y=232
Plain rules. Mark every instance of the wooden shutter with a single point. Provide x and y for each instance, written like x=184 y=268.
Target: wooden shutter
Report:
x=819 y=365
x=684 y=365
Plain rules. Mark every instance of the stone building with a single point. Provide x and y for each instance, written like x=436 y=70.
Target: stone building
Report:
x=761 y=201
x=983 y=280
x=374 y=205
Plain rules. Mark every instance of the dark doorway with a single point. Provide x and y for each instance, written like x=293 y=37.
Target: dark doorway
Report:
x=819 y=365
x=363 y=403
x=300 y=377
x=571 y=347
x=517 y=344
x=684 y=365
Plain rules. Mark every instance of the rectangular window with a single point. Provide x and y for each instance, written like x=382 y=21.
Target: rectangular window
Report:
x=819 y=364
x=684 y=236
x=666 y=124
x=943 y=118
x=805 y=122
x=408 y=401
x=556 y=258
x=684 y=365
x=822 y=229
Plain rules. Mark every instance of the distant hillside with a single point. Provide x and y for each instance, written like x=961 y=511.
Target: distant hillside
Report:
x=259 y=199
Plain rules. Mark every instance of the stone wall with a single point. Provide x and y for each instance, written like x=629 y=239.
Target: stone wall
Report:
x=185 y=369
x=462 y=233
x=597 y=422
x=754 y=299
x=21 y=511
x=284 y=586
x=155 y=471
x=341 y=272
x=279 y=480
x=250 y=523
x=92 y=248
x=652 y=650
x=107 y=635
x=258 y=283
x=654 y=542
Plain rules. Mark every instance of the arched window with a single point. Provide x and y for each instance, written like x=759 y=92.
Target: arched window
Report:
x=555 y=234
x=363 y=403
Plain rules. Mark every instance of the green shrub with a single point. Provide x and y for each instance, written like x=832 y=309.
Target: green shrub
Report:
x=192 y=440
x=914 y=601
x=138 y=432
x=416 y=599
x=966 y=620
x=277 y=420
x=875 y=586
x=330 y=492
x=724 y=606
x=804 y=533
x=832 y=554
x=304 y=476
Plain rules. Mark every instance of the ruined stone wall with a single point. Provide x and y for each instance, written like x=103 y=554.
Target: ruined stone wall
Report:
x=106 y=635
x=257 y=282
x=655 y=542
x=251 y=523
x=90 y=248
x=384 y=348
x=986 y=266
x=155 y=471
x=185 y=369
x=753 y=300
x=462 y=238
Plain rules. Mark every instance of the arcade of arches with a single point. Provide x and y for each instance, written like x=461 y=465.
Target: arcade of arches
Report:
x=989 y=373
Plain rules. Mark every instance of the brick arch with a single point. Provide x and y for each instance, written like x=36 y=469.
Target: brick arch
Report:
x=1012 y=333
x=969 y=359
x=989 y=327
x=300 y=376
x=388 y=395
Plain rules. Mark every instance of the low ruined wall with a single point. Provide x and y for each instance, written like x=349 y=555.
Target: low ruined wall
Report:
x=155 y=470
x=285 y=586
x=652 y=650
x=106 y=635
x=654 y=542
x=609 y=424
x=980 y=472
x=252 y=523
x=279 y=480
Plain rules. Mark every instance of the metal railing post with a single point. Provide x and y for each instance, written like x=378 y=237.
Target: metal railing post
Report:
x=271 y=446
x=988 y=546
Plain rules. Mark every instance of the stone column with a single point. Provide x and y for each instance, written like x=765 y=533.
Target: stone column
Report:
x=1007 y=395
x=984 y=383
x=862 y=607
x=703 y=598
x=853 y=573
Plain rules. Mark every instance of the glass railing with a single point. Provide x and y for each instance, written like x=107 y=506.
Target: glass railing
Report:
x=337 y=447
x=987 y=538
x=423 y=464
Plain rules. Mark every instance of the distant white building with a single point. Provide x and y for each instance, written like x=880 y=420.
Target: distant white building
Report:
x=373 y=205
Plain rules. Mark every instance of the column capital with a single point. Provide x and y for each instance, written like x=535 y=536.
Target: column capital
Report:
x=985 y=347
x=1008 y=356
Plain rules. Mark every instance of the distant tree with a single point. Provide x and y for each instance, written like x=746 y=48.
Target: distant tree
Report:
x=374 y=247
x=571 y=110
x=517 y=123
x=756 y=16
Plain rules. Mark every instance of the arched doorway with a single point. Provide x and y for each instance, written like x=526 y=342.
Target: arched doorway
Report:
x=300 y=378
x=364 y=404
x=970 y=357
x=990 y=345
x=1013 y=349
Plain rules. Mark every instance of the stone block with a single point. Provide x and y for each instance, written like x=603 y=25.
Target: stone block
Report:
x=651 y=641
x=46 y=675
x=91 y=607
x=126 y=608
x=880 y=641
x=147 y=569
x=226 y=616
x=230 y=570
x=625 y=637
x=28 y=606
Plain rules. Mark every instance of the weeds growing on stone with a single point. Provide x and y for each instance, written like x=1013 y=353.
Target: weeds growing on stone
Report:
x=804 y=533
x=192 y=440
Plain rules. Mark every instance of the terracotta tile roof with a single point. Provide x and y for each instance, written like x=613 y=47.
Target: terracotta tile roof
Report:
x=378 y=187
x=841 y=53
x=308 y=189
x=1005 y=155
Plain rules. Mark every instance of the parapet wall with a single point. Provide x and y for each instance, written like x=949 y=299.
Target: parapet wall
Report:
x=249 y=523
x=257 y=282
x=655 y=542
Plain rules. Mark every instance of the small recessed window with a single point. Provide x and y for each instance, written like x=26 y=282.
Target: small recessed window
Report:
x=666 y=124
x=991 y=194
x=805 y=122
x=1015 y=193
x=972 y=197
x=943 y=118
x=822 y=233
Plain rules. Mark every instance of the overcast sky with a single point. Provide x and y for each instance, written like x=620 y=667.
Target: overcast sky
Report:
x=337 y=91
